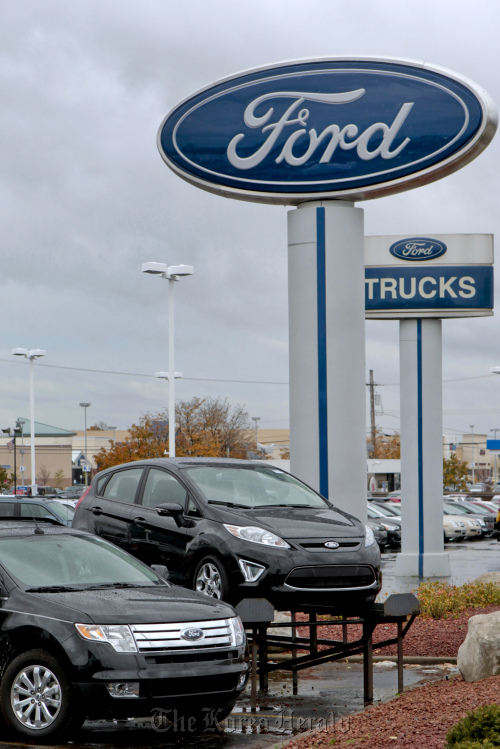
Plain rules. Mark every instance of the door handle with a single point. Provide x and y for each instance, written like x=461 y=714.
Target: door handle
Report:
x=141 y=522
x=96 y=510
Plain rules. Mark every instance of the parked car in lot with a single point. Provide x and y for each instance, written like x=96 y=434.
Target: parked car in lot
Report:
x=486 y=518
x=16 y=507
x=87 y=630
x=232 y=529
x=453 y=528
x=472 y=526
x=379 y=532
x=391 y=524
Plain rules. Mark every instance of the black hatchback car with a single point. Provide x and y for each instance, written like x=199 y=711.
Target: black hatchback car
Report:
x=233 y=529
x=88 y=630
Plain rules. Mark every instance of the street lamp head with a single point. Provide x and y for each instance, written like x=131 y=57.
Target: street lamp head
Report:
x=156 y=268
x=34 y=353
x=85 y=405
x=179 y=270
x=166 y=375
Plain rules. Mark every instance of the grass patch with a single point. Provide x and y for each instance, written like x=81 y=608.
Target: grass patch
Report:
x=440 y=600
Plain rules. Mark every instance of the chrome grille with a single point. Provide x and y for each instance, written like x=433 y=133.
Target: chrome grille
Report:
x=155 y=638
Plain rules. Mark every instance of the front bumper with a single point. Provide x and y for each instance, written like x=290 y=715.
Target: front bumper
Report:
x=357 y=571
x=186 y=682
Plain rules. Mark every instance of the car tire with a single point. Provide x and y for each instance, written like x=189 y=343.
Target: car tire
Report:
x=210 y=578
x=33 y=674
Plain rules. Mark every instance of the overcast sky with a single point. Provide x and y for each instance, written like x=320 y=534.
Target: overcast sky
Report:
x=85 y=199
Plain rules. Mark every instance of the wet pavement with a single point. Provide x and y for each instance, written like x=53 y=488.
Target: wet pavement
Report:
x=327 y=694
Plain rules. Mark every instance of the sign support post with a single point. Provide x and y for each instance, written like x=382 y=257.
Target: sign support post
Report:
x=327 y=350
x=422 y=551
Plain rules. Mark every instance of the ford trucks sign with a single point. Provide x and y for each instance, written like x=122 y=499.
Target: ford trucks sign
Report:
x=353 y=128
x=446 y=276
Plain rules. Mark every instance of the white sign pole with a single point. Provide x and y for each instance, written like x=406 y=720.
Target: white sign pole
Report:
x=327 y=350
x=422 y=552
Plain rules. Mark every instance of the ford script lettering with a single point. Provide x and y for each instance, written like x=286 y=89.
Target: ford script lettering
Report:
x=418 y=248
x=354 y=128
x=332 y=545
x=192 y=633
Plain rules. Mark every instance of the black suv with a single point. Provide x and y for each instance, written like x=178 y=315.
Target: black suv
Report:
x=232 y=529
x=88 y=630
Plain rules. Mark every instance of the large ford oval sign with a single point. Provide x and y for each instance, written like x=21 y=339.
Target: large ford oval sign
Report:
x=336 y=128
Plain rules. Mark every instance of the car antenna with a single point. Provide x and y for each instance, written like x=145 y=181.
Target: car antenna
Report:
x=38 y=530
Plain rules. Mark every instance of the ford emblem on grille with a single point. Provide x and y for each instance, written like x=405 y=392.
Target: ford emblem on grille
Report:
x=191 y=633
x=332 y=545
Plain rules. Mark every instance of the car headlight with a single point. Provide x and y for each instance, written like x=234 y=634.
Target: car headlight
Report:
x=389 y=527
x=238 y=636
x=455 y=524
x=369 y=537
x=256 y=535
x=118 y=635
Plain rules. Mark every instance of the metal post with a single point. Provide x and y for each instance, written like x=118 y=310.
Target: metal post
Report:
x=253 y=698
x=171 y=370
x=367 y=667
x=263 y=675
x=400 y=658
x=313 y=633
x=33 y=430
x=473 y=452
x=295 y=678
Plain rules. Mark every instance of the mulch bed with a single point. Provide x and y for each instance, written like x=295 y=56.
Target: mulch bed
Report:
x=419 y=718
x=426 y=637
x=423 y=715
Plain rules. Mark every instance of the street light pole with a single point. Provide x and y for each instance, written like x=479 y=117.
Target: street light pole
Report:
x=256 y=419
x=31 y=355
x=85 y=406
x=172 y=274
x=497 y=429
x=472 y=461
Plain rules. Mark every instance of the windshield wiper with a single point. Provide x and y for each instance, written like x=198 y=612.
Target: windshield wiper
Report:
x=227 y=504
x=53 y=589
x=102 y=586
x=269 y=507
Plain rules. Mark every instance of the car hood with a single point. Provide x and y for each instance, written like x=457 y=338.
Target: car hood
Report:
x=133 y=605
x=298 y=522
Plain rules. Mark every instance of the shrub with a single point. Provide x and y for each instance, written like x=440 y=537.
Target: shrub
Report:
x=440 y=600
x=480 y=729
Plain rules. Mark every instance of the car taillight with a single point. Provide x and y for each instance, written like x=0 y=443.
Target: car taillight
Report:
x=82 y=497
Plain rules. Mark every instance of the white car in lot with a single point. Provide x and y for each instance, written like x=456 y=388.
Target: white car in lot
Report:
x=472 y=526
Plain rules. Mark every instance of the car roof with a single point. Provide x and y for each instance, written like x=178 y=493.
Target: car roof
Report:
x=177 y=463
x=10 y=527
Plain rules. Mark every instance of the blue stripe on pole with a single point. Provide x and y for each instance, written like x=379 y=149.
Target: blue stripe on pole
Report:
x=322 y=379
x=420 y=454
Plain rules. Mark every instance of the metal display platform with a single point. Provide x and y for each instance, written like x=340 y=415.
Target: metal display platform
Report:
x=258 y=614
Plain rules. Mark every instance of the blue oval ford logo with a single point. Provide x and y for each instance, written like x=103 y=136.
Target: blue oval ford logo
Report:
x=332 y=545
x=338 y=127
x=418 y=248
x=192 y=633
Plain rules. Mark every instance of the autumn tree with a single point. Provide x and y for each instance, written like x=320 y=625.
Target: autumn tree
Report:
x=386 y=447
x=455 y=473
x=208 y=427
x=43 y=474
x=5 y=480
x=58 y=478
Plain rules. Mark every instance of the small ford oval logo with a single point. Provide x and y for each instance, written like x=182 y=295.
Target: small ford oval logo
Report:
x=418 y=248
x=191 y=634
x=332 y=545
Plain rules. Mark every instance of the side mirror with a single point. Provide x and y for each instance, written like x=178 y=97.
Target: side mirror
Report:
x=162 y=571
x=174 y=510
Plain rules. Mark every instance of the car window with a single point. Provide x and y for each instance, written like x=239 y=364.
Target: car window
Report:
x=7 y=509
x=123 y=485
x=162 y=487
x=31 y=510
x=101 y=483
x=71 y=560
x=63 y=511
x=192 y=510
